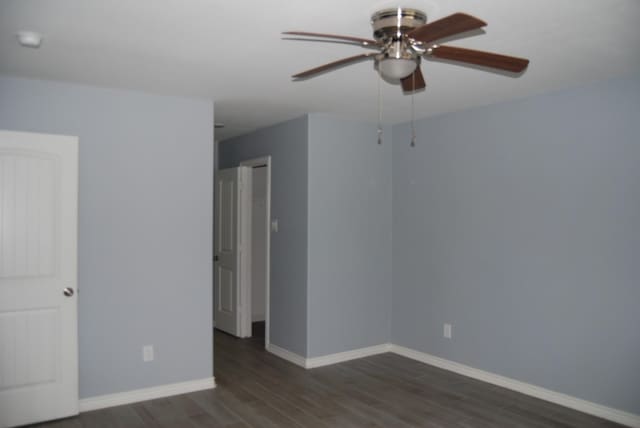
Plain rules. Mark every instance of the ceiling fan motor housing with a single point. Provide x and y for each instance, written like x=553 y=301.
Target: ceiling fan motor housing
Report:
x=390 y=24
x=390 y=27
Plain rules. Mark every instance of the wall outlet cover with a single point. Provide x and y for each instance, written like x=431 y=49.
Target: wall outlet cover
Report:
x=447 y=331
x=147 y=353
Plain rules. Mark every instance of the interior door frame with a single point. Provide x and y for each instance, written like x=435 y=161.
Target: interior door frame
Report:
x=244 y=272
x=246 y=294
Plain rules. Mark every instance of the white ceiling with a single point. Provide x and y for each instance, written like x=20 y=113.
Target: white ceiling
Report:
x=232 y=52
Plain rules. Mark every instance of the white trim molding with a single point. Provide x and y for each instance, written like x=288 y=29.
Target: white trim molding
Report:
x=128 y=397
x=340 y=357
x=296 y=359
x=326 y=360
x=599 y=410
x=266 y=161
x=565 y=400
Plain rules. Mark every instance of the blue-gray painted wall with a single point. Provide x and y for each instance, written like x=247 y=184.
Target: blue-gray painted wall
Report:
x=331 y=266
x=349 y=236
x=145 y=227
x=287 y=145
x=519 y=223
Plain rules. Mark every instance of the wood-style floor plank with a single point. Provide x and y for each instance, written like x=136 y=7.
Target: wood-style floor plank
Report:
x=256 y=389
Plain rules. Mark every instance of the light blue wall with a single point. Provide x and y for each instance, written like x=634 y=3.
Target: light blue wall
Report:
x=349 y=236
x=145 y=227
x=286 y=143
x=519 y=223
x=331 y=263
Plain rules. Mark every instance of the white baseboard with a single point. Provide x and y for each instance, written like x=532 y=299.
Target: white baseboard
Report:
x=340 y=357
x=599 y=410
x=127 y=397
x=296 y=359
x=325 y=360
x=565 y=400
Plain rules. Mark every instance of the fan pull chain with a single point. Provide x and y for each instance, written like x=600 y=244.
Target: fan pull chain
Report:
x=413 y=111
x=379 y=110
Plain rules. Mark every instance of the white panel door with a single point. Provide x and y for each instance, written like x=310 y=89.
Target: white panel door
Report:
x=226 y=250
x=227 y=263
x=38 y=264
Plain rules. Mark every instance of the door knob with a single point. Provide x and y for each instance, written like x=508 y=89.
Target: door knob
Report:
x=216 y=258
x=68 y=291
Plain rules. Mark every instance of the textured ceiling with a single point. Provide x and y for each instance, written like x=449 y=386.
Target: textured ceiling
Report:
x=232 y=52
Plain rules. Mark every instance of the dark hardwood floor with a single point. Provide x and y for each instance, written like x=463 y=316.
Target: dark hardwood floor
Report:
x=257 y=389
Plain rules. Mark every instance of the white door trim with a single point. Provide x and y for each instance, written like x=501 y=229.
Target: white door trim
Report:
x=245 y=200
x=266 y=160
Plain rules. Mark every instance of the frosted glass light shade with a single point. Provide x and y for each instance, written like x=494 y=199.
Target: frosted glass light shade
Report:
x=396 y=68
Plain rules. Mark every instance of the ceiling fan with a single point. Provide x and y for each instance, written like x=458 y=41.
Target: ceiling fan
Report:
x=402 y=37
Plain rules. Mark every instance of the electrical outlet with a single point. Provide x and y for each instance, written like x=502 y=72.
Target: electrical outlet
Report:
x=447 y=331
x=147 y=353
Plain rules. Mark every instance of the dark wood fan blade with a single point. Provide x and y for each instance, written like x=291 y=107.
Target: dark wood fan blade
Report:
x=447 y=26
x=413 y=82
x=333 y=64
x=365 y=42
x=486 y=59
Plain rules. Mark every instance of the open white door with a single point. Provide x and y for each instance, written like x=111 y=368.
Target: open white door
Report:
x=38 y=263
x=230 y=263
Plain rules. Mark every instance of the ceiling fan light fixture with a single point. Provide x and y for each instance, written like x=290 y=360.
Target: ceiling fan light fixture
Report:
x=396 y=68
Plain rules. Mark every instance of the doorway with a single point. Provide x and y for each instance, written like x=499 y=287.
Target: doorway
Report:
x=259 y=244
x=242 y=250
